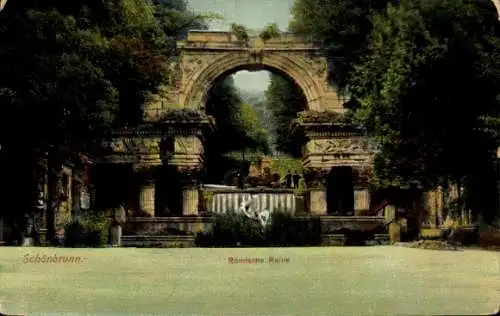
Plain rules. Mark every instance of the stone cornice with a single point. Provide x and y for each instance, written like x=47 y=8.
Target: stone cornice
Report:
x=315 y=124
x=168 y=128
x=226 y=41
x=318 y=130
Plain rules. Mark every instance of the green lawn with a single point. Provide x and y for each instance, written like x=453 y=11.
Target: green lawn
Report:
x=316 y=281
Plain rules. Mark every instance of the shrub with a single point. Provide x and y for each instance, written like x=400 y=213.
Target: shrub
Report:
x=463 y=236
x=90 y=231
x=240 y=32
x=74 y=235
x=235 y=229
x=230 y=230
x=287 y=230
x=489 y=236
x=271 y=31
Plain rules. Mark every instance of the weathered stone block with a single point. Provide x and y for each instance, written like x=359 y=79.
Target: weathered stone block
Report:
x=394 y=232
x=317 y=201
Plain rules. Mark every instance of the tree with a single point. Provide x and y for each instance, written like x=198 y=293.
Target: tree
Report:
x=284 y=100
x=51 y=94
x=255 y=135
x=428 y=90
x=341 y=27
x=71 y=72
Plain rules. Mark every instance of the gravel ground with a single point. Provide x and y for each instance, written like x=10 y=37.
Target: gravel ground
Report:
x=381 y=280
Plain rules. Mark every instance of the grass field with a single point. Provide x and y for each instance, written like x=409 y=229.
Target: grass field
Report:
x=316 y=281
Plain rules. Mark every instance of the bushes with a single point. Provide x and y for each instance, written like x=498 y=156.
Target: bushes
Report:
x=90 y=231
x=230 y=230
x=286 y=230
x=235 y=229
x=463 y=236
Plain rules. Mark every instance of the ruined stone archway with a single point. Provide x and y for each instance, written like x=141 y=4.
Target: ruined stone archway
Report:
x=207 y=56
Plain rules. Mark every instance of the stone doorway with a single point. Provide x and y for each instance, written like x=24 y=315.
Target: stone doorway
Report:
x=340 y=191
x=168 y=196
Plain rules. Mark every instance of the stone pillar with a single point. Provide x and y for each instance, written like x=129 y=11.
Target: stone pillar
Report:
x=147 y=198
x=115 y=235
x=395 y=232
x=190 y=200
x=316 y=192
x=361 y=201
x=190 y=191
x=390 y=213
x=317 y=201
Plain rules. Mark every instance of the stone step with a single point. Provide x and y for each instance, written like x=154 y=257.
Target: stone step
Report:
x=382 y=239
x=333 y=239
x=340 y=239
x=150 y=241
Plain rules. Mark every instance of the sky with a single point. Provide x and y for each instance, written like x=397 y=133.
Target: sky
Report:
x=253 y=14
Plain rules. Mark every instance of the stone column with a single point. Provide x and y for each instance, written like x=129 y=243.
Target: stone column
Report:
x=190 y=200
x=147 y=189
x=316 y=192
x=395 y=232
x=390 y=213
x=147 y=198
x=361 y=200
x=190 y=180
x=317 y=201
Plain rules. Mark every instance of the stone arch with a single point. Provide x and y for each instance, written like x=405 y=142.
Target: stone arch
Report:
x=197 y=84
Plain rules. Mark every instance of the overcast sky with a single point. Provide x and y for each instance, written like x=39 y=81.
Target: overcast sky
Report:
x=253 y=14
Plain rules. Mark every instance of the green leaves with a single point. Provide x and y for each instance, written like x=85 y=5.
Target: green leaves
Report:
x=341 y=27
x=422 y=88
x=271 y=31
x=240 y=32
x=424 y=76
x=284 y=99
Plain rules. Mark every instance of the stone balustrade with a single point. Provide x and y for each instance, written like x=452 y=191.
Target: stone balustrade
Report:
x=222 y=201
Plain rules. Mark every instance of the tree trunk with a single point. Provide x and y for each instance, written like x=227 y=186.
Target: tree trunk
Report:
x=54 y=192
x=459 y=198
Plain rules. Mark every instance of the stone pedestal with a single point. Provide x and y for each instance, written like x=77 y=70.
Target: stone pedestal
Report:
x=190 y=200
x=395 y=232
x=361 y=201
x=115 y=235
x=390 y=213
x=147 y=198
x=317 y=201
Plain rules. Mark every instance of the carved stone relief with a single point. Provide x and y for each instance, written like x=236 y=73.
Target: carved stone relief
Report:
x=192 y=62
x=318 y=66
x=190 y=144
x=341 y=146
x=135 y=145
x=256 y=50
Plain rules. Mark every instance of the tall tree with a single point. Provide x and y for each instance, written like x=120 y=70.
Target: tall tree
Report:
x=341 y=27
x=284 y=99
x=429 y=90
x=72 y=71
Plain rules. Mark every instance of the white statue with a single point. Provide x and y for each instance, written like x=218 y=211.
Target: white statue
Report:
x=248 y=208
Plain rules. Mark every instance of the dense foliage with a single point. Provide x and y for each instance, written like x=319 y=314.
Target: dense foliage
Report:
x=89 y=231
x=424 y=77
x=284 y=99
x=71 y=73
x=341 y=27
x=236 y=230
x=239 y=127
